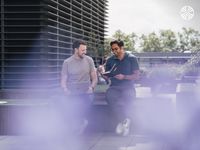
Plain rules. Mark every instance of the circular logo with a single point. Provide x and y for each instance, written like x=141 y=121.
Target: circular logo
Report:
x=187 y=12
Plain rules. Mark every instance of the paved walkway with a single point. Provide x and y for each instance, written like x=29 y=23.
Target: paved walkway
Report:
x=98 y=141
x=155 y=129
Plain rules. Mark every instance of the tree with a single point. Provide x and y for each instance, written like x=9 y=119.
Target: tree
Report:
x=150 y=43
x=168 y=40
x=164 y=41
x=128 y=39
x=107 y=50
x=189 y=39
x=119 y=35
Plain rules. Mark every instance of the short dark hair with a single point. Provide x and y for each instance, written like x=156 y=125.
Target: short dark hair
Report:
x=77 y=43
x=118 y=42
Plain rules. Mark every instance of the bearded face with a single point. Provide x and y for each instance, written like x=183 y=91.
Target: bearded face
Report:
x=117 y=51
x=81 y=51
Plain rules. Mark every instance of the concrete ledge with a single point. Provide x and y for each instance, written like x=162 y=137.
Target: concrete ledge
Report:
x=99 y=99
x=187 y=99
x=15 y=114
x=100 y=118
x=185 y=87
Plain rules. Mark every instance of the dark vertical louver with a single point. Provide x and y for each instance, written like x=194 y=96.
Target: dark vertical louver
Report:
x=37 y=35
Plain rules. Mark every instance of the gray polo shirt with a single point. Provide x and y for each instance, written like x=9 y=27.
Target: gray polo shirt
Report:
x=78 y=73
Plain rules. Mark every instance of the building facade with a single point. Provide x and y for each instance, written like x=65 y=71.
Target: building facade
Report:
x=37 y=35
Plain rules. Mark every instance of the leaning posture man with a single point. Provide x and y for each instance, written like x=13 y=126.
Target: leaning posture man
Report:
x=78 y=80
x=122 y=69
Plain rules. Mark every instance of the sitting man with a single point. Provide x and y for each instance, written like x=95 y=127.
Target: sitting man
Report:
x=122 y=69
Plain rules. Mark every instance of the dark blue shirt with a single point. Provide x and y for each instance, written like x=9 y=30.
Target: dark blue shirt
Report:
x=125 y=66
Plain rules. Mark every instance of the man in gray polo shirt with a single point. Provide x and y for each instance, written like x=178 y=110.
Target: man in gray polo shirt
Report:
x=78 y=80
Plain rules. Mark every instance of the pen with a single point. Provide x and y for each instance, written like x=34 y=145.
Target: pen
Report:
x=113 y=68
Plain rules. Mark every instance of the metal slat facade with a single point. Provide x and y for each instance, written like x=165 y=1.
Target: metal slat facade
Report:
x=36 y=36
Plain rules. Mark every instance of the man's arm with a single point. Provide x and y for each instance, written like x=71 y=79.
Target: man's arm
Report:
x=64 y=79
x=63 y=83
x=134 y=76
x=93 y=76
x=136 y=71
x=63 y=76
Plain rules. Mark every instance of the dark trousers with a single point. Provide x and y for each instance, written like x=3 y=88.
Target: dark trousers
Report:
x=120 y=100
x=75 y=108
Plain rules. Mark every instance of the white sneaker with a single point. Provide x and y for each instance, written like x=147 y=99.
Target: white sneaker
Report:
x=123 y=128
x=83 y=126
x=119 y=129
x=126 y=126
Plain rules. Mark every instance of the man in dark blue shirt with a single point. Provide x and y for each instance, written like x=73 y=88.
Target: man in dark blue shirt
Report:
x=122 y=69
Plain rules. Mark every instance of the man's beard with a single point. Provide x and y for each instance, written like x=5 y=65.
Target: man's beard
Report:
x=116 y=54
x=81 y=56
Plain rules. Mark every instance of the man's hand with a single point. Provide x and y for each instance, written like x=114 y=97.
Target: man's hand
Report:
x=101 y=69
x=120 y=76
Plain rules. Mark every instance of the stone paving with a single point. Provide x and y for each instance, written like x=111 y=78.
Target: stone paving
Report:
x=157 y=128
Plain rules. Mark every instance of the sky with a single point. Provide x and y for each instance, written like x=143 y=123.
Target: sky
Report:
x=146 y=16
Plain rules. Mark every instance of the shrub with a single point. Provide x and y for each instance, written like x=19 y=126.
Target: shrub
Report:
x=192 y=67
x=163 y=74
